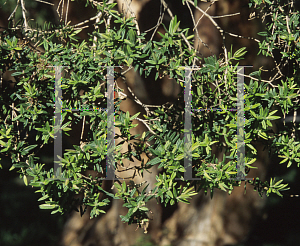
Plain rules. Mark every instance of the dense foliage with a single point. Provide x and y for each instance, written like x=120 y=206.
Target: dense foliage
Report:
x=27 y=108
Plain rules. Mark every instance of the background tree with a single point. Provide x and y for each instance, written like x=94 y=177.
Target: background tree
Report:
x=27 y=125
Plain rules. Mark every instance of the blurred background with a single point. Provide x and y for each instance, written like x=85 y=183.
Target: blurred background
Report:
x=244 y=219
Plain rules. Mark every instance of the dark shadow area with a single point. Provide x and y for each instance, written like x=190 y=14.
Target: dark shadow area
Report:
x=22 y=223
x=279 y=224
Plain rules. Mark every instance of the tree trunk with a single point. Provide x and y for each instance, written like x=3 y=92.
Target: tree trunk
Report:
x=225 y=219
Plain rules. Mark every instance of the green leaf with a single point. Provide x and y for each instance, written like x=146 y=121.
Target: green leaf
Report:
x=262 y=134
x=118 y=186
x=47 y=206
x=179 y=157
x=262 y=33
x=25 y=180
x=145 y=209
x=124 y=186
x=240 y=52
x=170 y=194
x=135 y=116
x=43 y=198
x=206 y=175
x=154 y=161
x=221 y=185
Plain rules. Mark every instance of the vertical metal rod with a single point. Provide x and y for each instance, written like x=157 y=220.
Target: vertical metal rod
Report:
x=240 y=124
x=57 y=122
x=188 y=175
x=110 y=164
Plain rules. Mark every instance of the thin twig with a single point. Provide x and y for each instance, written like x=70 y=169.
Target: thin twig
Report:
x=135 y=21
x=223 y=16
x=287 y=24
x=135 y=98
x=62 y=10
x=221 y=32
x=58 y=8
x=128 y=69
x=41 y=1
x=67 y=11
x=202 y=16
x=82 y=130
x=196 y=29
x=24 y=15
x=239 y=36
x=266 y=81
x=172 y=16
x=159 y=21
x=13 y=13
